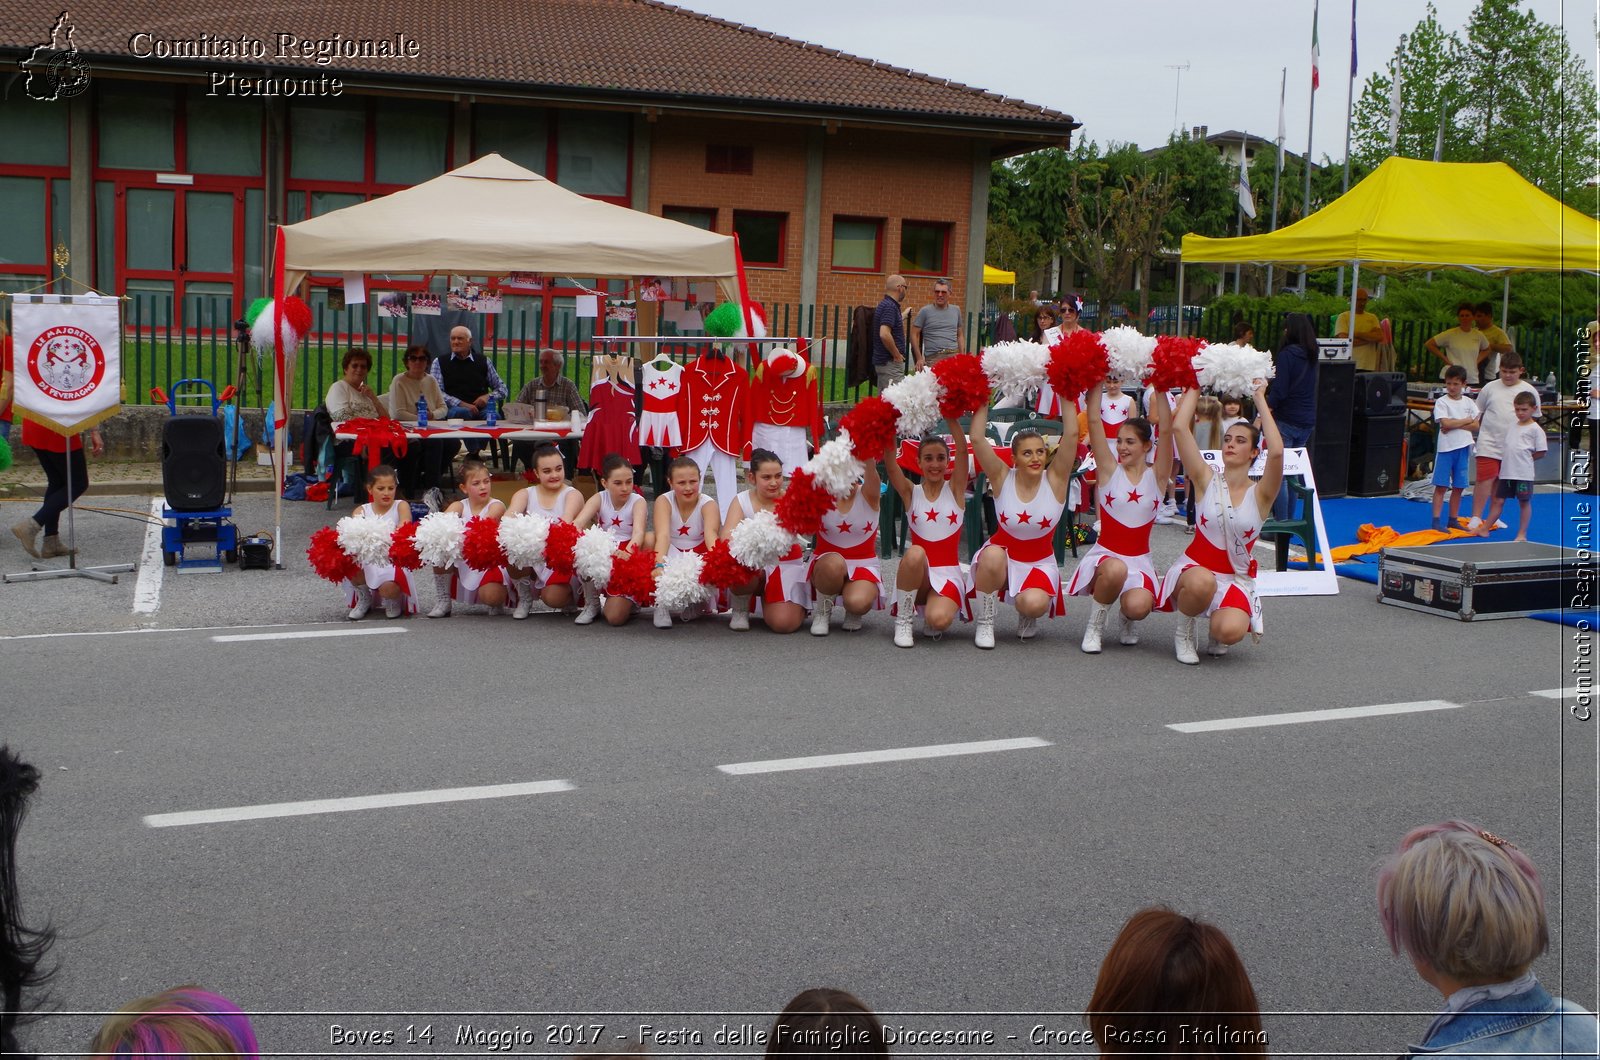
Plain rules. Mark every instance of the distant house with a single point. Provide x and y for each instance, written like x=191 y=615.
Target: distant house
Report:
x=160 y=143
x=1231 y=143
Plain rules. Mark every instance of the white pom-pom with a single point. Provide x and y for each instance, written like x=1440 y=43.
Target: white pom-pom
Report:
x=439 y=538
x=835 y=467
x=1129 y=352
x=591 y=556
x=1014 y=368
x=365 y=539
x=678 y=585
x=261 y=332
x=758 y=317
x=1232 y=370
x=917 y=398
x=523 y=537
x=758 y=541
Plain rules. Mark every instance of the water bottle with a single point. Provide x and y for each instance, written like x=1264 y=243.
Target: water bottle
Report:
x=422 y=412
x=1550 y=381
x=491 y=415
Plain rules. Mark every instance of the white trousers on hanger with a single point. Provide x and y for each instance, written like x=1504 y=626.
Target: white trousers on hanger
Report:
x=723 y=468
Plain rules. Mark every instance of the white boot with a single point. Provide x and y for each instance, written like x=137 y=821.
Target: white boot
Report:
x=524 y=588
x=1096 y=627
x=663 y=619
x=739 y=617
x=441 y=595
x=821 y=615
x=986 y=605
x=363 y=603
x=591 y=604
x=394 y=608
x=1027 y=627
x=1129 y=633
x=851 y=622
x=1214 y=647
x=905 y=613
x=1183 y=641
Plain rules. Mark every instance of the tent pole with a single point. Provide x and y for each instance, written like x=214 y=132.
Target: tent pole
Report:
x=1355 y=284
x=1505 y=301
x=1180 y=296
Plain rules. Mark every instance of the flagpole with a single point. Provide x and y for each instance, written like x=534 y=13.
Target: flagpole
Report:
x=1394 y=98
x=1244 y=185
x=1277 y=171
x=1349 y=107
x=1311 y=118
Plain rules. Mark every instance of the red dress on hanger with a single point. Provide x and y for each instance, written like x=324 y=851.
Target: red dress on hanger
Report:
x=611 y=427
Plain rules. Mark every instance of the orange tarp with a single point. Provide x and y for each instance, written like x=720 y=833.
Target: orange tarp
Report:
x=1371 y=539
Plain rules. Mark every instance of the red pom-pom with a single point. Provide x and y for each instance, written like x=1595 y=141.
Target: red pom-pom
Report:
x=558 y=549
x=328 y=559
x=403 y=550
x=1172 y=364
x=871 y=427
x=633 y=575
x=297 y=315
x=480 y=546
x=721 y=571
x=965 y=387
x=803 y=504
x=1077 y=363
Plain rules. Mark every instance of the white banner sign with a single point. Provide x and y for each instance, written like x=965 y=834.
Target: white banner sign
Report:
x=68 y=359
x=1313 y=581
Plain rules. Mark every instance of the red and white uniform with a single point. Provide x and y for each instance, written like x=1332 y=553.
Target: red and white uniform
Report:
x=688 y=535
x=715 y=406
x=466 y=581
x=663 y=392
x=1026 y=533
x=375 y=574
x=783 y=411
x=853 y=534
x=542 y=574
x=936 y=529
x=1127 y=512
x=784 y=580
x=618 y=522
x=1114 y=410
x=1223 y=547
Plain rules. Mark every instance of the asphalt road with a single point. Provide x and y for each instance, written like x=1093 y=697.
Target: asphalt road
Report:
x=660 y=890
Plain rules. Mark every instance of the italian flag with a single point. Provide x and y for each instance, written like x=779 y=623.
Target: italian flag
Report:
x=1316 y=79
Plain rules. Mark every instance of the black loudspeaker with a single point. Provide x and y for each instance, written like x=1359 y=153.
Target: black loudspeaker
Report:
x=1376 y=447
x=194 y=467
x=1330 y=443
x=1380 y=393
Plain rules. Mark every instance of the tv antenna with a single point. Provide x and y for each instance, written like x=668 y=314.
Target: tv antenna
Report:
x=1177 y=85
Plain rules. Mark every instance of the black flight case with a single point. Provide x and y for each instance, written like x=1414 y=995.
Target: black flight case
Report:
x=1476 y=581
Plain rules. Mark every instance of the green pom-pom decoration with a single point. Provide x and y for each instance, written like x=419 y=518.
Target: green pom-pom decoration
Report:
x=724 y=321
x=255 y=310
x=5 y=454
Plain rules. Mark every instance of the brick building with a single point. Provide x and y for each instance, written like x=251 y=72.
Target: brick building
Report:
x=160 y=141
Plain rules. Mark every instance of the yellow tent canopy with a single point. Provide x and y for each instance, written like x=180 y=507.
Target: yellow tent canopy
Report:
x=994 y=275
x=1409 y=214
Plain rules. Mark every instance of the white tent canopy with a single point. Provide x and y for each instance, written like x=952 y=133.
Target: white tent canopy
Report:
x=492 y=217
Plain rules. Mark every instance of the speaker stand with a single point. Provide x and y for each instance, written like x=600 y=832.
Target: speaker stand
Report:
x=107 y=574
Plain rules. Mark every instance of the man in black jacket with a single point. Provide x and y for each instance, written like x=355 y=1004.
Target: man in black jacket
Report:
x=468 y=380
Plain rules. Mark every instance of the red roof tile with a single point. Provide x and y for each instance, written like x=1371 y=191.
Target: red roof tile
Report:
x=639 y=50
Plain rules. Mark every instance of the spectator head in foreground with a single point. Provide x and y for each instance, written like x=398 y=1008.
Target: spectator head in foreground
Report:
x=182 y=1022
x=1174 y=985
x=826 y=1022
x=22 y=949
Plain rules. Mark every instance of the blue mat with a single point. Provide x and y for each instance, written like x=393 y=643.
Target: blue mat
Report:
x=1558 y=518
x=1589 y=619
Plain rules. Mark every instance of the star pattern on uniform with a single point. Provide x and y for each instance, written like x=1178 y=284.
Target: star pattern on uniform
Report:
x=1134 y=496
x=683 y=531
x=844 y=528
x=952 y=517
x=1044 y=524
x=616 y=520
x=1024 y=517
x=1203 y=520
x=1004 y=518
x=932 y=514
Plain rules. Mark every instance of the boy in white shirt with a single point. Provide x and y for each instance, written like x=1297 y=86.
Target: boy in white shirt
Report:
x=1496 y=418
x=1524 y=444
x=1455 y=417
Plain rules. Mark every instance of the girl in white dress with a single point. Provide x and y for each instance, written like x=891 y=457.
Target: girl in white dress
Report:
x=845 y=559
x=391 y=583
x=553 y=497
x=620 y=512
x=686 y=520
x=463 y=584
x=1118 y=567
x=1216 y=575
x=930 y=578
x=780 y=591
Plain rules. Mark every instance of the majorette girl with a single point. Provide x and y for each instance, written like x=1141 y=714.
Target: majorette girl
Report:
x=781 y=591
x=1118 y=567
x=463 y=583
x=553 y=497
x=391 y=583
x=1216 y=576
x=930 y=578
x=621 y=513
x=686 y=520
x=845 y=559
x=1018 y=561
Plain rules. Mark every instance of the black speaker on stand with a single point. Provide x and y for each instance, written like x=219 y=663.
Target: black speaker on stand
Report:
x=1377 y=444
x=1330 y=444
x=194 y=466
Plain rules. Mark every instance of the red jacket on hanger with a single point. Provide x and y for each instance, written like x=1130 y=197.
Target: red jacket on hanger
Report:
x=715 y=405
x=785 y=402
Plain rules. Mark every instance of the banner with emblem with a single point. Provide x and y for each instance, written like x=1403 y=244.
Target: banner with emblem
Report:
x=67 y=359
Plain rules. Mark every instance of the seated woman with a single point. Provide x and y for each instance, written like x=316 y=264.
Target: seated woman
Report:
x=350 y=398
x=1468 y=910
x=425 y=461
x=1172 y=985
x=185 y=1021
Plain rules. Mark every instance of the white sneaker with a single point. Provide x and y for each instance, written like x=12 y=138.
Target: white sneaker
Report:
x=739 y=617
x=663 y=619
x=441 y=609
x=985 y=606
x=1027 y=628
x=394 y=608
x=821 y=615
x=524 y=597
x=1129 y=631
x=1167 y=514
x=1474 y=523
x=851 y=622
x=363 y=603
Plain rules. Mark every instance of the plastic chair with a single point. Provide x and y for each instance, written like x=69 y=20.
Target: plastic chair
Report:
x=1034 y=423
x=1009 y=415
x=893 y=527
x=1304 y=527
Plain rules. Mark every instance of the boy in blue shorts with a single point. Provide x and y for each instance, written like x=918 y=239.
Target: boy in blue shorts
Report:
x=1455 y=417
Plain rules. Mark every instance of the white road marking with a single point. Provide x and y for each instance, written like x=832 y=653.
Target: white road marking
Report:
x=147 y=590
x=1561 y=693
x=893 y=754
x=1300 y=717
x=358 y=802
x=309 y=634
x=125 y=632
